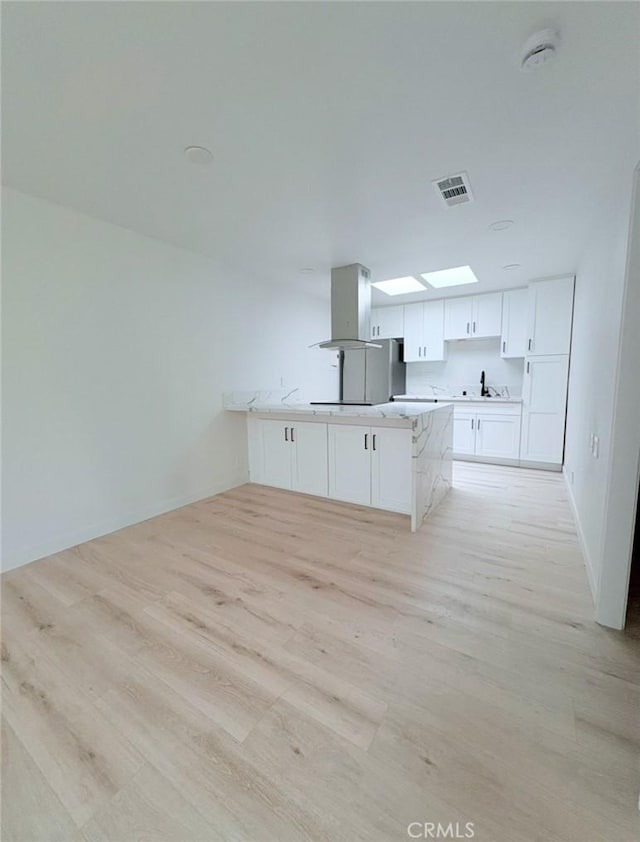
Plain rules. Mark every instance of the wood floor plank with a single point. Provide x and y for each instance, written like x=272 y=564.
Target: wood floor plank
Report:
x=262 y=665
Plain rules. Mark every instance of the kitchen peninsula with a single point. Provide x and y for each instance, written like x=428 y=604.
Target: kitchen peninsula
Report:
x=394 y=456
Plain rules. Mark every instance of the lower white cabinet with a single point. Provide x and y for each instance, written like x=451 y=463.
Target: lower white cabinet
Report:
x=292 y=456
x=489 y=433
x=498 y=436
x=350 y=463
x=544 y=408
x=371 y=466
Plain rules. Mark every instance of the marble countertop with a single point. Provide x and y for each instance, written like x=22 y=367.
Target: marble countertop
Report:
x=397 y=409
x=454 y=399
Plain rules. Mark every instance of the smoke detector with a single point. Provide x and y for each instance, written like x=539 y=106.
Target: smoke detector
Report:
x=454 y=189
x=538 y=50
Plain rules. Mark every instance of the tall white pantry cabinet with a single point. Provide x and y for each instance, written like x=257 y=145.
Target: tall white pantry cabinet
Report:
x=546 y=371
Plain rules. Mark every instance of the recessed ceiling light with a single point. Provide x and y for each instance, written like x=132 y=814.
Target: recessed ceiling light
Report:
x=308 y=270
x=510 y=266
x=399 y=286
x=501 y=224
x=198 y=155
x=450 y=277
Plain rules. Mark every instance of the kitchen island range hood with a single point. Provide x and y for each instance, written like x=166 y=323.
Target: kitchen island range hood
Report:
x=370 y=372
x=350 y=309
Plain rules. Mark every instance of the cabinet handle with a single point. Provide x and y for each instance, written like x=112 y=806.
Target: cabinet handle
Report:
x=373 y=441
x=419 y=350
x=378 y=334
x=504 y=347
x=527 y=366
x=292 y=438
x=425 y=351
x=474 y=327
x=478 y=424
x=467 y=327
x=366 y=441
x=529 y=348
x=286 y=434
x=472 y=423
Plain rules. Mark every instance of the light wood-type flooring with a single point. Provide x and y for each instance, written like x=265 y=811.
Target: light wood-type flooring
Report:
x=263 y=666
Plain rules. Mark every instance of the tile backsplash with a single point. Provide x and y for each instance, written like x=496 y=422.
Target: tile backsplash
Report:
x=461 y=370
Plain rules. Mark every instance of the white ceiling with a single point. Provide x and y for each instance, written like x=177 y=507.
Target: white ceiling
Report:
x=328 y=122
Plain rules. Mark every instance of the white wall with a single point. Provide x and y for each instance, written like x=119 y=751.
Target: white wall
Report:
x=116 y=351
x=592 y=379
x=461 y=370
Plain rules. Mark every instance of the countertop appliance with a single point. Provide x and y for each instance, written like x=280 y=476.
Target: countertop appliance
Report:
x=370 y=375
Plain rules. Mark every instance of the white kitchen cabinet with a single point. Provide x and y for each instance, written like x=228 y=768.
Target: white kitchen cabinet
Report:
x=544 y=408
x=464 y=433
x=514 y=323
x=473 y=317
x=487 y=315
x=387 y=322
x=350 y=463
x=292 y=456
x=498 y=436
x=487 y=431
x=391 y=469
x=276 y=454
x=550 y=317
x=310 y=461
x=424 y=332
x=371 y=466
x=458 y=315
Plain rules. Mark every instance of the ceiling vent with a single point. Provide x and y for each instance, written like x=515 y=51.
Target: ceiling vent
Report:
x=454 y=189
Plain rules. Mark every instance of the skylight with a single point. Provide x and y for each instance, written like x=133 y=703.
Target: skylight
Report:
x=450 y=277
x=399 y=286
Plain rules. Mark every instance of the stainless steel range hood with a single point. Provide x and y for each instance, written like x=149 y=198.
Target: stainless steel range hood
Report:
x=350 y=309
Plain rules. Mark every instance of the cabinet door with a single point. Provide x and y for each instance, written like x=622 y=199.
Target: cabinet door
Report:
x=310 y=467
x=458 y=315
x=350 y=463
x=277 y=453
x=464 y=432
x=544 y=408
x=550 y=317
x=413 y=333
x=498 y=435
x=389 y=322
x=433 y=335
x=487 y=315
x=391 y=469
x=514 y=323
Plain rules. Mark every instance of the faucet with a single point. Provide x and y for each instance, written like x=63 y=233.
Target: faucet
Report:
x=484 y=392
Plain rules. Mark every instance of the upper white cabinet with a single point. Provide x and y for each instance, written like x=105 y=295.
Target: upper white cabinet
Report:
x=424 y=332
x=371 y=466
x=387 y=322
x=290 y=455
x=458 y=315
x=473 y=317
x=514 y=323
x=550 y=317
x=544 y=408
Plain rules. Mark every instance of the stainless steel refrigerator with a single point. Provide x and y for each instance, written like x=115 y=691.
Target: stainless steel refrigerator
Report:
x=372 y=375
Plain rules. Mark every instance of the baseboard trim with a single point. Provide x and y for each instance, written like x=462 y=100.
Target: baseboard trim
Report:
x=581 y=541
x=512 y=463
x=58 y=543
